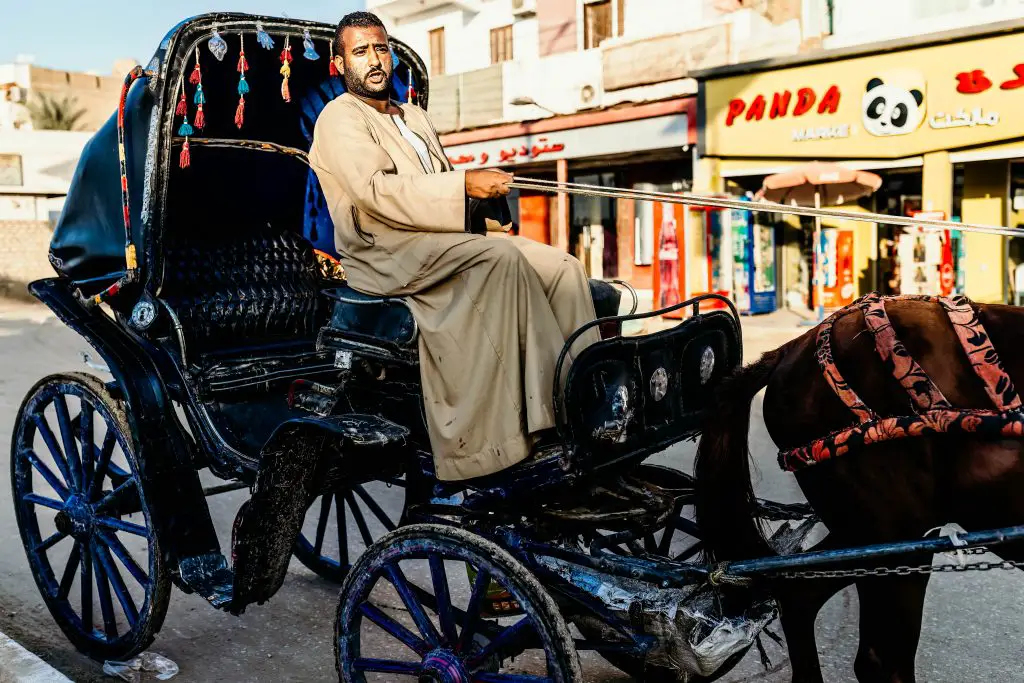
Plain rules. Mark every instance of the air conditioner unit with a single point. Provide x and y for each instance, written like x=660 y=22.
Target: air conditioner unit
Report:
x=521 y=8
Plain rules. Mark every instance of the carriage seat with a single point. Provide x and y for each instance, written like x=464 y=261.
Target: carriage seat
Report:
x=381 y=321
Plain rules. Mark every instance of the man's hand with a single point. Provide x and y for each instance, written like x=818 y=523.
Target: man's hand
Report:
x=487 y=184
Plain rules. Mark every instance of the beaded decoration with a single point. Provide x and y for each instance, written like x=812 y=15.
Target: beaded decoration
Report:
x=307 y=42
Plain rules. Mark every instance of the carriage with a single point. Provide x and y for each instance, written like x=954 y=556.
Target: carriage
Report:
x=192 y=262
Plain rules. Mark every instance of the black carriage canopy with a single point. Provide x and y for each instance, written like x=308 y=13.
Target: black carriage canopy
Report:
x=221 y=89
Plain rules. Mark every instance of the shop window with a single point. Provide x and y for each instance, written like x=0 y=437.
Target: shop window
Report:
x=10 y=170
x=592 y=235
x=501 y=45
x=597 y=23
x=437 y=66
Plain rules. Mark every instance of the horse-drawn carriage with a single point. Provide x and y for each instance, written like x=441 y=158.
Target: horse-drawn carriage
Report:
x=235 y=346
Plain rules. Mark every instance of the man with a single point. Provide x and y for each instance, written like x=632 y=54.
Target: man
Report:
x=493 y=310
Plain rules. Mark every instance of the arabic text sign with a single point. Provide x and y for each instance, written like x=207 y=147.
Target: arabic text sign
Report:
x=660 y=132
x=877 y=106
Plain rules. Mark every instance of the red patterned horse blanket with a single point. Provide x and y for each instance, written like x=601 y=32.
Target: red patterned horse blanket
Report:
x=934 y=414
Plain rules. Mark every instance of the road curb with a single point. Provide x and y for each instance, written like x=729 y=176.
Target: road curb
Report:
x=18 y=665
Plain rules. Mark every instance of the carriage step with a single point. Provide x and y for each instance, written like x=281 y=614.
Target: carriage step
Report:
x=210 y=577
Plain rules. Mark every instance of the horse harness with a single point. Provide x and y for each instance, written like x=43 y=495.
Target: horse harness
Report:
x=934 y=414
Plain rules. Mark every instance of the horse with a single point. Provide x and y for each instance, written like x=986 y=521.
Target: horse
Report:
x=913 y=423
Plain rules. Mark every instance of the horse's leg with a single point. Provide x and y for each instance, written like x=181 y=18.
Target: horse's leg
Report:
x=798 y=608
x=891 y=610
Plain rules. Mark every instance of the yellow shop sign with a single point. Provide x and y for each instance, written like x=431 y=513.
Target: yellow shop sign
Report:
x=880 y=106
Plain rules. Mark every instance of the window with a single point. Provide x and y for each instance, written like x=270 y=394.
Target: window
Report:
x=501 y=44
x=597 y=23
x=437 y=52
x=10 y=170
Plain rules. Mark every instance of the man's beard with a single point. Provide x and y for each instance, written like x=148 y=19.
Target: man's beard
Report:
x=359 y=87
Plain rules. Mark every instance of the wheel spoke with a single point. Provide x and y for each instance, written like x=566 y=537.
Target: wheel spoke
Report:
x=408 y=638
x=439 y=577
x=45 y=502
x=85 y=439
x=386 y=666
x=103 y=462
x=117 y=583
x=115 y=545
x=86 y=587
x=357 y=514
x=106 y=604
x=47 y=474
x=113 y=495
x=70 y=569
x=419 y=616
x=53 y=540
x=67 y=437
x=509 y=638
x=342 y=520
x=476 y=598
x=321 y=525
x=376 y=509
x=121 y=525
x=43 y=427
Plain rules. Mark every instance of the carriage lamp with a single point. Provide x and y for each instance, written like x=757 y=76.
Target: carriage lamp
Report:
x=707 y=364
x=659 y=384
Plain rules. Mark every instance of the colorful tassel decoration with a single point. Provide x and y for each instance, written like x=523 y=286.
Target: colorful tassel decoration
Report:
x=200 y=121
x=243 y=85
x=196 y=77
x=286 y=68
x=263 y=38
x=185 y=160
x=217 y=46
x=200 y=97
x=307 y=42
x=333 y=68
x=240 y=112
x=182 y=109
x=185 y=129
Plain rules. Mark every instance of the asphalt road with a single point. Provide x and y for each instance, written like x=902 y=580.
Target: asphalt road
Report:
x=973 y=624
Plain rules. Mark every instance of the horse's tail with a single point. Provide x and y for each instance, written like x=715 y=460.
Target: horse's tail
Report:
x=726 y=508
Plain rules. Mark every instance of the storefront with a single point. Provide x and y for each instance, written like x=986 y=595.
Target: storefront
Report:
x=936 y=117
x=646 y=147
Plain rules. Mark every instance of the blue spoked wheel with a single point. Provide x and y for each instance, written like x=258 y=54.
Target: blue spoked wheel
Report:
x=409 y=610
x=341 y=525
x=84 y=519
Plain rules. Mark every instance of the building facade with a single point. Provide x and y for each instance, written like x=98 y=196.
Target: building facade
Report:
x=588 y=91
x=933 y=115
x=23 y=83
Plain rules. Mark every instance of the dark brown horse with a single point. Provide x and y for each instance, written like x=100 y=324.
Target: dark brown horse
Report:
x=892 y=490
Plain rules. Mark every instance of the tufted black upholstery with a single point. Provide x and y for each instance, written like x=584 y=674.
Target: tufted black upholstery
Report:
x=232 y=291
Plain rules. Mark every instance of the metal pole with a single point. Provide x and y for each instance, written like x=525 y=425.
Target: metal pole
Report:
x=819 y=253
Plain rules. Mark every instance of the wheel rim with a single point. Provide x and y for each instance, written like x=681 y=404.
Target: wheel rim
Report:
x=74 y=482
x=341 y=525
x=444 y=637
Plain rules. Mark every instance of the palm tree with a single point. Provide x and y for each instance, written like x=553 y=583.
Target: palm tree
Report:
x=49 y=113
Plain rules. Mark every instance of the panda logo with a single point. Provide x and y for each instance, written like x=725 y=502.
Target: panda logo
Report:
x=890 y=109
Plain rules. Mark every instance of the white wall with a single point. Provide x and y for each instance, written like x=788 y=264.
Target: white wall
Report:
x=467 y=34
x=866 y=21
x=43 y=152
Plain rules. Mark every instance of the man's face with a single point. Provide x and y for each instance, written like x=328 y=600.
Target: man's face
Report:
x=365 y=62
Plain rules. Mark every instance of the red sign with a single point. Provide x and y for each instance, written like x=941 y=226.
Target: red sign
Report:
x=511 y=154
x=947 y=278
x=975 y=81
x=803 y=103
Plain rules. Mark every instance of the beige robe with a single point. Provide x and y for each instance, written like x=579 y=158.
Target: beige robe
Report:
x=493 y=312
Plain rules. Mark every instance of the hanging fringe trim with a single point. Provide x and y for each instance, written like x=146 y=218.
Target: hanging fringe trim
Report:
x=185 y=129
x=240 y=112
x=243 y=86
x=200 y=121
x=196 y=77
x=185 y=160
